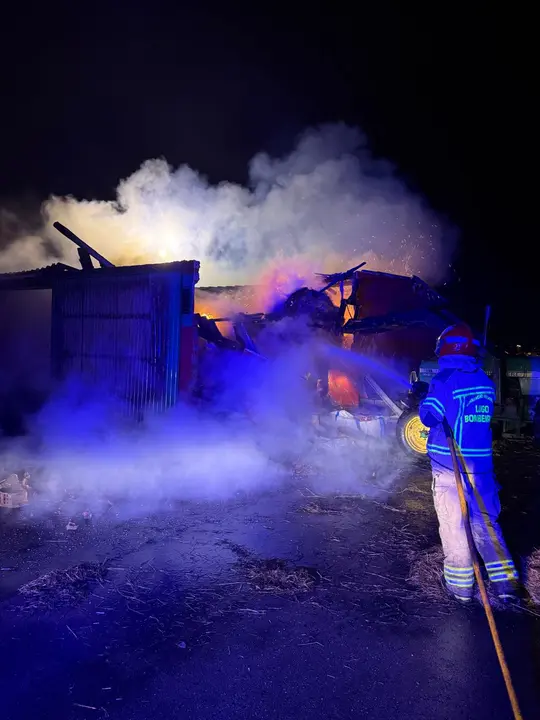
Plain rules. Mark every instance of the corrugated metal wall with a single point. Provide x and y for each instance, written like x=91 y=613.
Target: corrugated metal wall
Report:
x=25 y=355
x=129 y=331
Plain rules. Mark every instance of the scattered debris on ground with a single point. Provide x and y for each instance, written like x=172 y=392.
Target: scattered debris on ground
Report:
x=400 y=564
x=337 y=504
x=426 y=574
x=272 y=575
x=332 y=506
x=277 y=576
x=532 y=575
x=62 y=587
x=415 y=504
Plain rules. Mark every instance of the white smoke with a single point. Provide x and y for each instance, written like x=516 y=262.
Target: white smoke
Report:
x=82 y=454
x=327 y=205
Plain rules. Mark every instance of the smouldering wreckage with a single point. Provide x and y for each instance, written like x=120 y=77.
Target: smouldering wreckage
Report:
x=140 y=328
x=371 y=398
x=389 y=324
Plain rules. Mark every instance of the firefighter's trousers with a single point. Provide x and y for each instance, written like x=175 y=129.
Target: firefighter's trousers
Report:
x=484 y=509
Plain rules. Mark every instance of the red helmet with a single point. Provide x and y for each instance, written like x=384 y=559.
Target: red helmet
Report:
x=456 y=340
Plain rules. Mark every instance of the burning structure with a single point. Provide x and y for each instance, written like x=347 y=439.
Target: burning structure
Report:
x=141 y=333
x=355 y=310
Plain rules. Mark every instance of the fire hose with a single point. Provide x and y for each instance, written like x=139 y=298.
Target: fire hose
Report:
x=478 y=574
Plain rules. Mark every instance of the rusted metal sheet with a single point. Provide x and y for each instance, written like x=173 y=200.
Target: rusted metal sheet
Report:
x=128 y=331
x=380 y=293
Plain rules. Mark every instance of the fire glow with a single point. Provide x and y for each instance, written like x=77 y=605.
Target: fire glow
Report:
x=342 y=389
x=326 y=202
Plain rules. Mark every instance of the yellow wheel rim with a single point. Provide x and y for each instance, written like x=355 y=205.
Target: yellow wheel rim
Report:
x=416 y=434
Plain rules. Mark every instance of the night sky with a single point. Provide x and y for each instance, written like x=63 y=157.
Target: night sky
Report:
x=89 y=91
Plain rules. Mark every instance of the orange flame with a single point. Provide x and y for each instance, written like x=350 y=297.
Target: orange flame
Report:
x=212 y=310
x=204 y=309
x=342 y=389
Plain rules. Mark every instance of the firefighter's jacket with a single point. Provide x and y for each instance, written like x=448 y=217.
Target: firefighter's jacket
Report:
x=463 y=393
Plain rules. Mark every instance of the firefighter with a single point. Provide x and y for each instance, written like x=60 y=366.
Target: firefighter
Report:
x=464 y=394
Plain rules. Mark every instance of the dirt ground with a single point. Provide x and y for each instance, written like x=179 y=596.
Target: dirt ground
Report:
x=284 y=604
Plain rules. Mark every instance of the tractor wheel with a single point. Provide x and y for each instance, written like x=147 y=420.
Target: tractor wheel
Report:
x=412 y=434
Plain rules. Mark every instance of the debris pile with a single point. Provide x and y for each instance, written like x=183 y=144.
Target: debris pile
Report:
x=277 y=576
x=63 y=587
x=426 y=574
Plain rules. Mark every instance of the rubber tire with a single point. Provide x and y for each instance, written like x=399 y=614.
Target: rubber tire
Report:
x=401 y=437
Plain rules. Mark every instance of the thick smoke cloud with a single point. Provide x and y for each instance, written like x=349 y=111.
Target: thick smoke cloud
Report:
x=82 y=453
x=326 y=206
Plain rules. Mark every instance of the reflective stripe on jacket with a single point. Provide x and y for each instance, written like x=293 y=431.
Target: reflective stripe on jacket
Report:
x=463 y=393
